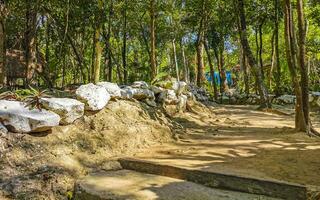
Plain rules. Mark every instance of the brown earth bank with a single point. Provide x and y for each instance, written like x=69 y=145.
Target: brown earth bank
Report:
x=45 y=166
x=227 y=139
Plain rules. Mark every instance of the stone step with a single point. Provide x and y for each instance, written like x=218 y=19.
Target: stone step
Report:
x=131 y=185
x=271 y=188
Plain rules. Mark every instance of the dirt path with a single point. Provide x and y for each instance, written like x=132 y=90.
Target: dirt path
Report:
x=240 y=140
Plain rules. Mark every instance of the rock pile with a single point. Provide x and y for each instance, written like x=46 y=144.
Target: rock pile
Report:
x=18 y=117
x=200 y=93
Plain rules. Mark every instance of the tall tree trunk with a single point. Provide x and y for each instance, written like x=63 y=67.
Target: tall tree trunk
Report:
x=245 y=72
x=124 y=48
x=97 y=46
x=303 y=68
x=2 y=43
x=292 y=64
x=108 y=45
x=175 y=59
x=261 y=49
x=200 y=65
x=214 y=83
x=185 y=65
x=30 y=40
x=153 y=39
x=199 y=43
x=276 y=49
x=224 y=81
x=263 y=92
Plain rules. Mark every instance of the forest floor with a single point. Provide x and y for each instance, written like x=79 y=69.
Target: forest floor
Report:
x=240 y=140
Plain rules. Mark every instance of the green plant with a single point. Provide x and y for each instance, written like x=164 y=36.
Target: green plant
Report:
x=33 y=97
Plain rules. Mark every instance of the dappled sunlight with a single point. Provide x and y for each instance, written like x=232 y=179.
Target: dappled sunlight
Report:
x=267 y=148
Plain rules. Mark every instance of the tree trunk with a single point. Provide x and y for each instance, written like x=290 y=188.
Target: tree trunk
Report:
x=2 y=43
x=261 y=50
x=108 y=45
x=245 y=72
x=276 y=50
x=200 y=68
x=153 y=39
x=97 y=46
x=224 y=81
x=175 y=59
x=185 y=66
x=303 y=68
x=214 y=84
x=292 y=64
x=30 y=40
x=263 y=92
x=124 y=48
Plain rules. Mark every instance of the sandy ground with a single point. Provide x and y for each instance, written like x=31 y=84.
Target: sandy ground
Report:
x=241 y=140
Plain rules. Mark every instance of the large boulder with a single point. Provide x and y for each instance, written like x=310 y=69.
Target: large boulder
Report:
x=113 y=89
x=95 y=97
x=18 y=118
x=68 y=109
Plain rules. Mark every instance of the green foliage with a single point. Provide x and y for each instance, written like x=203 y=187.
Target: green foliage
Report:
x=65 y=32
x=30 y=96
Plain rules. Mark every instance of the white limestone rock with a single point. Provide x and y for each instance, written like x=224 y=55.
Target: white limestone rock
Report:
x=95 y=97
x=179 y=87
x=113 y=89
x=68 y=109
x=18 y=118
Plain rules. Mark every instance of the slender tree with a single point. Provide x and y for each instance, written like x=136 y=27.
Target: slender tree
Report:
x=97 y=44
x=153 y=61
x=2 y=42
x=263 y=92
x=30 y=39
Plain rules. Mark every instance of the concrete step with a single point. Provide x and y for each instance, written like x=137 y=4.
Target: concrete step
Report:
x=271 y=188
x=131 y=185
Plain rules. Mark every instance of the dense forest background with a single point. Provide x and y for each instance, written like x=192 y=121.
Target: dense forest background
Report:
x=72 y=37
x=269 y=46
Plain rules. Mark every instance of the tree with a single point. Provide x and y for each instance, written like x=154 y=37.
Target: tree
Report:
x=2 y=42
x=30 y=39
x=263 y=92
x=153 y=61
x=97 y=44
x=303 y=69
